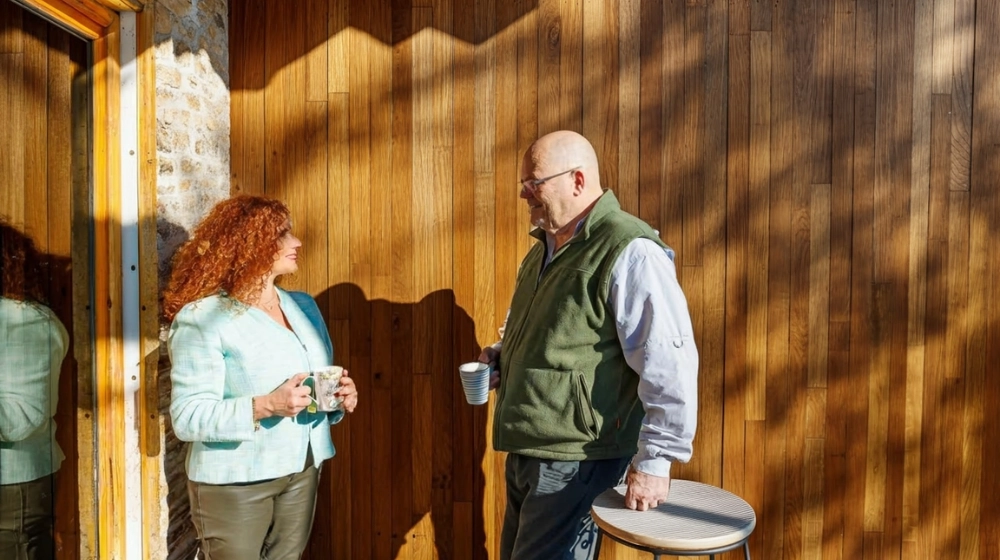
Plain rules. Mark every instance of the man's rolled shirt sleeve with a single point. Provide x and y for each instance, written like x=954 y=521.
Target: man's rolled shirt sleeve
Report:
x=654 y=327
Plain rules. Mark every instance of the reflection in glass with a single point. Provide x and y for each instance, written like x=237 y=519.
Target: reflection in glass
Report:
x=33 y=343
x=45 y=201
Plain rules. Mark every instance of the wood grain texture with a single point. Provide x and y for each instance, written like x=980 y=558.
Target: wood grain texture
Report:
x=712 y=346
x=150 y=421
x=691 y=165
x=383 y=364
x=81 y=385
x=600 y=105
x=86 y=17
x=650 y=113
x=963 y=41
x=550 y=39
x=119 y=5
x=923 y=80
x=317 y=63
x=825 y=170
x=757 y=229
x=358 y=354
x=923 y=76
x=464 y=453
x=526 y=101
x=737 y=226
x=571 y=85
x=12 y=161
x=627 y=181
x=839 y=386
x=62 y=112
x=108 y=281
x=35 y=114
x=674 y=175
x=984 y=342
x=248 y=76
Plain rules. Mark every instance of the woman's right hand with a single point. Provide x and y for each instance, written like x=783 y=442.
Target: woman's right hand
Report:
x=289 y=399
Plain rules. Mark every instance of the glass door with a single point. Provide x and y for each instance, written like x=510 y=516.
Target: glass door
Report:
x=46 y=326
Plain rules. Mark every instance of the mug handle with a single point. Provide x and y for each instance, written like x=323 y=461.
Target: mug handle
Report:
x=311 y=383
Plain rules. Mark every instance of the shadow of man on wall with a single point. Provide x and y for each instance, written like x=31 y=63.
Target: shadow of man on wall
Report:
x=407 y=478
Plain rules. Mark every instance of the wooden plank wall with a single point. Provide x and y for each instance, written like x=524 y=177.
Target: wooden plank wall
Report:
x=44 y=192
x=826 y=170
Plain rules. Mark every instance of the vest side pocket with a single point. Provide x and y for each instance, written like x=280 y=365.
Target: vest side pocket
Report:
x=585 y=407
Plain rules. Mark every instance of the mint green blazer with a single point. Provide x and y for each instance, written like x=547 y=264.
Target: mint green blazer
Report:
x=222 y=354
x=33 y=344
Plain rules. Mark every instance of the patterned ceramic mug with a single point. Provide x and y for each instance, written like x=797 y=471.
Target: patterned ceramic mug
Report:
x=325 y=382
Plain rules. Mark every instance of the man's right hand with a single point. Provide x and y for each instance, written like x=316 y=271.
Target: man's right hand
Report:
x=645 y=491
x=289 y=399
x=491 y=355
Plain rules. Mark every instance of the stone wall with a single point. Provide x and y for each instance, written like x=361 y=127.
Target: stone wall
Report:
x=192 y=144
x=192 y=115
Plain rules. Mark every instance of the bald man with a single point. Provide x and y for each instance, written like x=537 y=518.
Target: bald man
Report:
x=597 y=368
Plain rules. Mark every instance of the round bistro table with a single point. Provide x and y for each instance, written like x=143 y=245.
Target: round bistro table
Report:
x=697 y=520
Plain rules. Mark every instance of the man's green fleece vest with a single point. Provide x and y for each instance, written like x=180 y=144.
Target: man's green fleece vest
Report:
x=566 y=391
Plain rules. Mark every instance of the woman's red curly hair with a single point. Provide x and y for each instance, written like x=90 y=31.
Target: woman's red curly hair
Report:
x=23 y=269
x=231 y=252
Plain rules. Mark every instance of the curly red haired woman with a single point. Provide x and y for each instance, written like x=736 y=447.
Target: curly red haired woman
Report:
x=240 y=350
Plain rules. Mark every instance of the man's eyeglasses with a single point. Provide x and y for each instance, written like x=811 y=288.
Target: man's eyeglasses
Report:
x=530 y=186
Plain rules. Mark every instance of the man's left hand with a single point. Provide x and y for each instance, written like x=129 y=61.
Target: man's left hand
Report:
x=645 y=491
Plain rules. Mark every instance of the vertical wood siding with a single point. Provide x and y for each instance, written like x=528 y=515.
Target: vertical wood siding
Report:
x=826 y=170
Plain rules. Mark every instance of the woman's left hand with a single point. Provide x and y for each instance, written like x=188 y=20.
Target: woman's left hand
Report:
x=348 y=392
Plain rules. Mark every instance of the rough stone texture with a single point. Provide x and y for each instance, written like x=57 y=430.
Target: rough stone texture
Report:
x=192 y=144
x=192 y=116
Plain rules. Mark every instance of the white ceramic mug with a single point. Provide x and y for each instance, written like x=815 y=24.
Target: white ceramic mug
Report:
x=476 y=381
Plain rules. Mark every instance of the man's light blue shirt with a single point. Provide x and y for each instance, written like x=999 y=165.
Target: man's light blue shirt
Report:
x=224 y=353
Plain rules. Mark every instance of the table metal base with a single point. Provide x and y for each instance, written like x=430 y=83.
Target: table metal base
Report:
x=657 y=552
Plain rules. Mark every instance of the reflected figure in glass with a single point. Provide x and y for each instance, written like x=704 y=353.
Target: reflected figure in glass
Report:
x=33 y=343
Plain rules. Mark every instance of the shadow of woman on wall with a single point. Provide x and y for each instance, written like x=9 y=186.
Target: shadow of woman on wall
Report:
x=407 y=479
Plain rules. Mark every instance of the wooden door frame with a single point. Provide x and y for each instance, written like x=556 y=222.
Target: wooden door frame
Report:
x=102 y=528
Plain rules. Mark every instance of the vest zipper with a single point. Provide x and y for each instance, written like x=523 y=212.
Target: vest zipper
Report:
x=534 y=292
x=520 y=327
